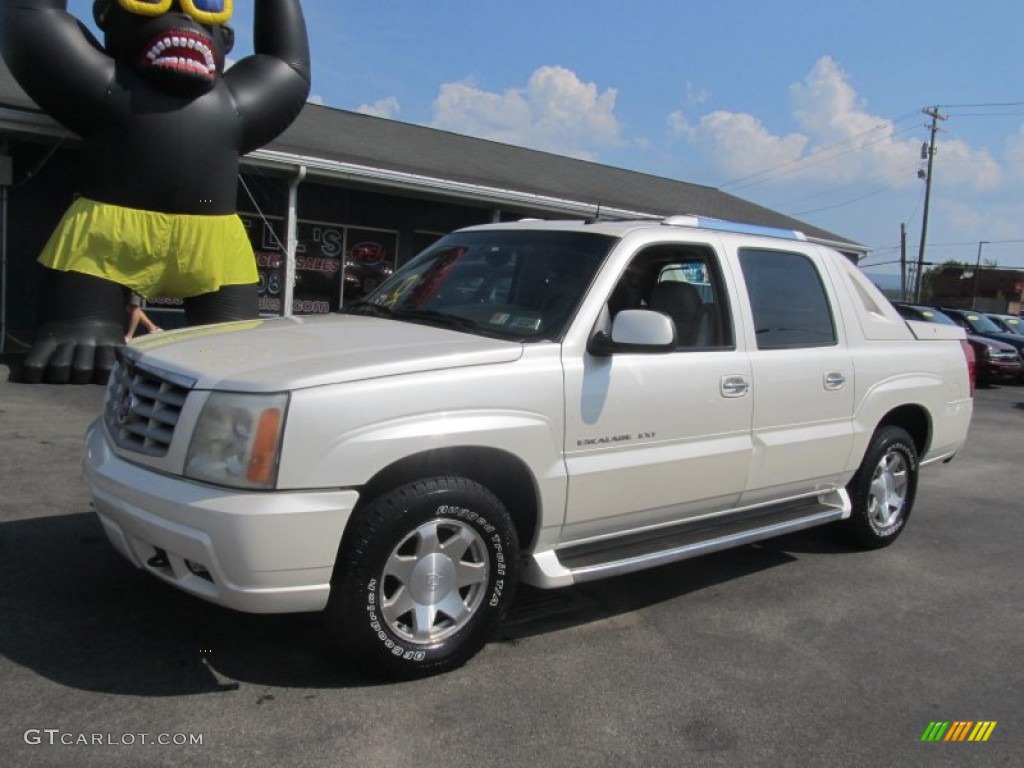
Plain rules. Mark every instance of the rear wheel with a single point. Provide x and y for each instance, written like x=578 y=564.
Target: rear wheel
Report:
x=882 y=492
x=425 y=574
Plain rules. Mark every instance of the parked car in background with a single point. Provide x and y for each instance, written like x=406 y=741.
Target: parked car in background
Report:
x=977 y=324
x=366 y=266
x=995 y=361
x=1008 y=323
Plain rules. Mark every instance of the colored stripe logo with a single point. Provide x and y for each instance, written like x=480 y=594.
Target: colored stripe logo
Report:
x=959 y=730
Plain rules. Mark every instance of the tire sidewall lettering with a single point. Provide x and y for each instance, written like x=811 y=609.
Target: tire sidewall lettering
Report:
x=910 y=457
x=496 y=549
x=462 y=513
x=378 y=628
x=863 y=530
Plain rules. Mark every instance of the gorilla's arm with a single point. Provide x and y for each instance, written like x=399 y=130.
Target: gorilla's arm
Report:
x=55 y=59
x=64 y=70
x=271 y=86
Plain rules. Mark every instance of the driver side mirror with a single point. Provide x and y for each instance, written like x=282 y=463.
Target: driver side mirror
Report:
x=635 y=330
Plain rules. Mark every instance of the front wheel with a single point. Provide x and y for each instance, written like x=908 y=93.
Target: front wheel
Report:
x=882 y=492
x=424 y=575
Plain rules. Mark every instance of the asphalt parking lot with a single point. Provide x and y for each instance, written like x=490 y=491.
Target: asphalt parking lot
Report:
x=792 y=652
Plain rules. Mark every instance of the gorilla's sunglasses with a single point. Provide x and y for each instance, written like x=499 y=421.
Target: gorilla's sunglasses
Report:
x=204 y=11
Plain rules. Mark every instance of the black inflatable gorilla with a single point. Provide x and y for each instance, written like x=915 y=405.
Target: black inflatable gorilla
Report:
x=163 y=127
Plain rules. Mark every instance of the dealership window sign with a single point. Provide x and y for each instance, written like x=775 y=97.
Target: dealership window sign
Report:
x=326 y=257
x=369 y=259
x=318 y=261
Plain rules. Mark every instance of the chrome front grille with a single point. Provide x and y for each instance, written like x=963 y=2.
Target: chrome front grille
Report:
x=143 y=407
x=1004 y=356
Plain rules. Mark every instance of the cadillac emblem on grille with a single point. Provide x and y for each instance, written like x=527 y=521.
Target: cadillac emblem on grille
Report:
x=144 y=406
x=124 y=406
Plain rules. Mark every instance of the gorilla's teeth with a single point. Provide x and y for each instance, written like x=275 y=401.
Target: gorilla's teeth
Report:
x=157 y=55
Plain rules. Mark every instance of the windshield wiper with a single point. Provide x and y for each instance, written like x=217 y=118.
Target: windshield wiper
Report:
x=429 y=316
x=368 y=308
x=434 y=317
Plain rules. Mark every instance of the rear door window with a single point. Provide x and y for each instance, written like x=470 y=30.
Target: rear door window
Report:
x=788 y=300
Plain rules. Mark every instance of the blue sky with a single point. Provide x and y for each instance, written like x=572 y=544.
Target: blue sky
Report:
x=810 y=108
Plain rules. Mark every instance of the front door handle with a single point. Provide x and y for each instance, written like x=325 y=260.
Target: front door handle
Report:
x=734 y=386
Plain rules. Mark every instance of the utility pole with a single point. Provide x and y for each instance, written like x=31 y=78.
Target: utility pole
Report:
x=6 y=178
x=977 y=271
x=930 y=150
x=903 y=261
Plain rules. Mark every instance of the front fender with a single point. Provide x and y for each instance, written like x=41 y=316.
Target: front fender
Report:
x=342 y=436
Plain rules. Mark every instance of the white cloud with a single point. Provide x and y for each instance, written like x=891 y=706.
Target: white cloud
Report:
x=958 y=164
x=679 y=126
x=741 y=145
x=838 y=141
x=695 y=96
x=555 y=111
x=1015 y=153
x=963 y=216
x=992 y=221
x=388 y=108
x=316 y=98
x=826 y=106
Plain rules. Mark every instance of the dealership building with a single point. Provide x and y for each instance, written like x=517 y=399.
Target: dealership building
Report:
x=346 y=197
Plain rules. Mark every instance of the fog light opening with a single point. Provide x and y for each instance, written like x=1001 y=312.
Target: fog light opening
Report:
x=199 y=570
x=159 y=560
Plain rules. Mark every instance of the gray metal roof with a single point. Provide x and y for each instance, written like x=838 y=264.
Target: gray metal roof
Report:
x=371 y=150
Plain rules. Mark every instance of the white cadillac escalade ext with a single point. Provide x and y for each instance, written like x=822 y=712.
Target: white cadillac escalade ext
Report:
x=551 y=402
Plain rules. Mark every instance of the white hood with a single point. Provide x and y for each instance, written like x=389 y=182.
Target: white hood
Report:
x=291 y=353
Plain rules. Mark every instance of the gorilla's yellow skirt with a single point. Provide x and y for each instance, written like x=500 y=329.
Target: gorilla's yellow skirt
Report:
x=153 y=254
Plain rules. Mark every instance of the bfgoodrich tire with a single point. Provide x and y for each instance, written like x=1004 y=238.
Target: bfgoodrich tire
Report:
x=424 y=575
x=883 y=490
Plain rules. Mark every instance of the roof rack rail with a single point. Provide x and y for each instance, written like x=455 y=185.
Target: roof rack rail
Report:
x=720 y=225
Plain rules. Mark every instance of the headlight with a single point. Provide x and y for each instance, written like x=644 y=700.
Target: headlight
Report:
x=237 y=440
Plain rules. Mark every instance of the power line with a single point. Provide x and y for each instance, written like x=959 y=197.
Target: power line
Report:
x=847 y=202
x=782 y=204
x=880 y=264
x=974 y=242
x=980 y=106
x=818 y=156
x=917 y=204
x=984 y=114
x=935 y=115
x=965 y=243
x=824 y=150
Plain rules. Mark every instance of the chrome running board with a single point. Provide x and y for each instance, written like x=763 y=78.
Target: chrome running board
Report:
x=575 y=564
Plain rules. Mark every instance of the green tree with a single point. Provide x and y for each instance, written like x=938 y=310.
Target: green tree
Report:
x=929 y=275
x=950 y=266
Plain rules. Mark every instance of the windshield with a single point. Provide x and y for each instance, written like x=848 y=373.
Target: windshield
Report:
x=934 y=316
x=508 y=284
x=1011 y=324
x=981 y=324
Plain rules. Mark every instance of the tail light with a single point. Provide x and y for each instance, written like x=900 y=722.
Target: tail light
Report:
x=971 y=361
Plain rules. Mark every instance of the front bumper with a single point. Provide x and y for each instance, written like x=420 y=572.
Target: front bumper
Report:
x=269 y=552
x=997 y=370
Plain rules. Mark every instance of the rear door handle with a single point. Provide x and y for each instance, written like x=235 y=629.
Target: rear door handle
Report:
x=834 y=380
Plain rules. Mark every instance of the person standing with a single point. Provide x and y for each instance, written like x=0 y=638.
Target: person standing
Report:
x=136 y=317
